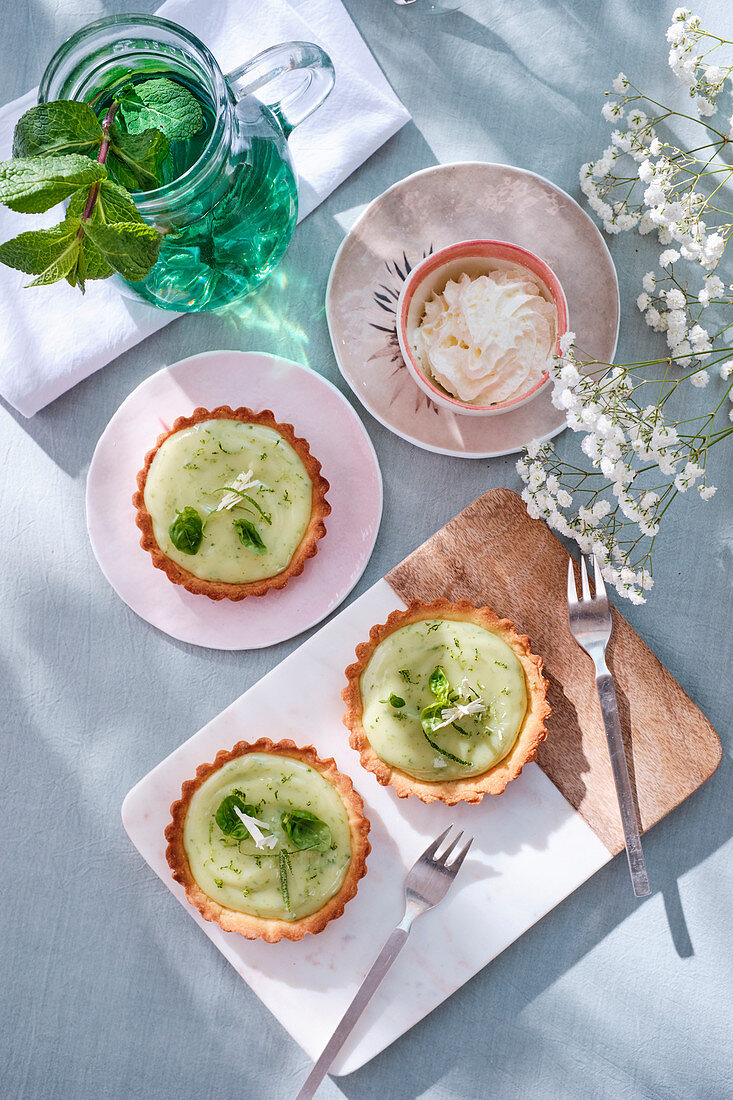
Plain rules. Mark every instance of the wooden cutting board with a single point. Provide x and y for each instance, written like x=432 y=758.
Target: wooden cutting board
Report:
x=492 y=553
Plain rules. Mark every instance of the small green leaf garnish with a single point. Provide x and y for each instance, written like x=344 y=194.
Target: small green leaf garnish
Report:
x=187 y=531
x=304 y=830
x=438 y=684
x=249 y=536
x=396 y=700
x=160 y=104
x=218 y=882
x=432 y=716
x=407 y=676
x=228 y=821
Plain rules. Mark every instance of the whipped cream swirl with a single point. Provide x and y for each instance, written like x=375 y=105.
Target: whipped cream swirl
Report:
x=488 y=339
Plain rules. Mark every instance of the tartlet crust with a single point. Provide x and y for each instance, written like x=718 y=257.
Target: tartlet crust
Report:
x=270 y=929
x=308 y=546
x=532 y=731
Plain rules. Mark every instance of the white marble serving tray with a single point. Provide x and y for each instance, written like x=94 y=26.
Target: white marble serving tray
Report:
x=531 y=850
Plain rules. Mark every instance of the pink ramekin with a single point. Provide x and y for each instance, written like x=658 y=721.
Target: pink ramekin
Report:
x=479 y=256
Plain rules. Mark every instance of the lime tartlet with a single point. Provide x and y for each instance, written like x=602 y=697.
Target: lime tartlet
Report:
x=269 y=840
x=446 y=702
x=230 y=503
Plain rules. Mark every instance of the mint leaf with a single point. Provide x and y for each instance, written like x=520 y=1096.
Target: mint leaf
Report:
x=134 y=160
x=129 y=247
x=113 y=205
x=32 y=185
x=162 y=104
x=57 y=128
x=48 y=253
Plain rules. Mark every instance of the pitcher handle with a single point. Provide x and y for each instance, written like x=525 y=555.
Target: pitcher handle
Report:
x=302 y=75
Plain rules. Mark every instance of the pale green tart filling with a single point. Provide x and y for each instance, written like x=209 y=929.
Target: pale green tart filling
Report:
x=239 y=875
x=191 y=469
x=400 y=667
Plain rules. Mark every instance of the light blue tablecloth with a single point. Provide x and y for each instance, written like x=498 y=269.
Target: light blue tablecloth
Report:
x=109 y=990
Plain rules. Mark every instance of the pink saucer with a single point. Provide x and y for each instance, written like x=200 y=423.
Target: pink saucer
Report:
x=337 y=438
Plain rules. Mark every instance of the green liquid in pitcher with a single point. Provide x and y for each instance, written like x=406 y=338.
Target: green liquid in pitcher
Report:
x=234 y=234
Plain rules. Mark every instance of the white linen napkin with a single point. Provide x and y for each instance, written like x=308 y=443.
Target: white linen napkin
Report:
x=52 y=337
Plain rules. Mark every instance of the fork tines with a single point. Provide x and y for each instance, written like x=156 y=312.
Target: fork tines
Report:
x=600 y=587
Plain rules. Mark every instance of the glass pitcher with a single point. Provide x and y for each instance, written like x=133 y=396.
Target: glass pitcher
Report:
x=230 y=206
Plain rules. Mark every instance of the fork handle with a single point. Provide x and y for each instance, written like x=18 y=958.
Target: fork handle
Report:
x=364 y=994
x=634 y=853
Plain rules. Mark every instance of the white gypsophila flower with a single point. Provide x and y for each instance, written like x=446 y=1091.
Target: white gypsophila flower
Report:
x=714 y=74
x=686 y=478
x=637 y=120
x=699 y=339
x=700 y=379
x=675 y=298
x=649 y=282
x=620 y=84
x=564 y=499
x=566 y=342
x=670 y=256
x=714 y=286
x=725 y=370
x=704 y=107
x=642 y=302
x=612 y=111
x=707 y=491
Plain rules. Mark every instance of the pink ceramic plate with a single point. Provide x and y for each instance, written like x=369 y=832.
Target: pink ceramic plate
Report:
x=337 y=438
x=430 y=210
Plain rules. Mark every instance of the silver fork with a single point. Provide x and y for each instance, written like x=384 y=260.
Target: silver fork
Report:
x=590 y=625
x=426 y=884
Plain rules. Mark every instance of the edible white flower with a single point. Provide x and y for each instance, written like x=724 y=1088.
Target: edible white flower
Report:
x=254 y=828
x=714 y=74
x=649 y=282
x=700 y=379
x=726 y=369
x=707 y=491
x=620 y=84
x=704 y=107
x=242 y=483
x=642 y=302
x=467 y=704
x=670 y=256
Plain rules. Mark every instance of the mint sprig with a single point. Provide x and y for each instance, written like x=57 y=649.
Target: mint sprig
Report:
x=102 y=231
